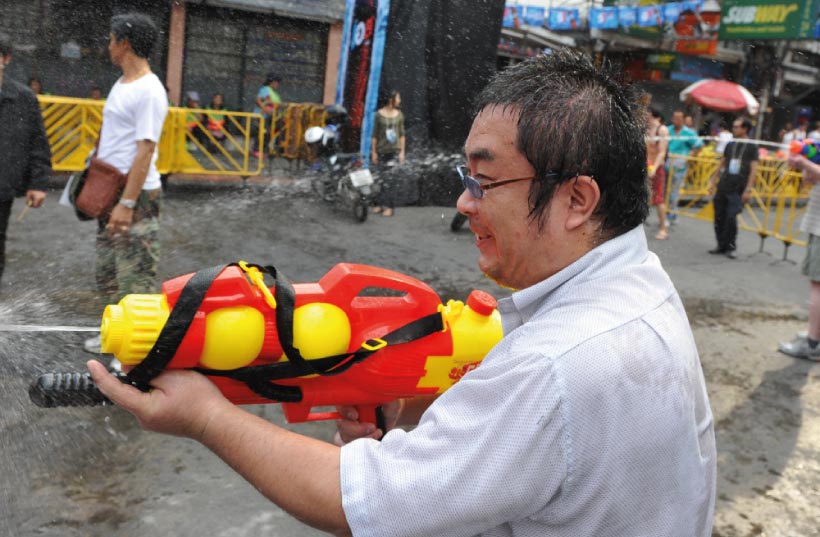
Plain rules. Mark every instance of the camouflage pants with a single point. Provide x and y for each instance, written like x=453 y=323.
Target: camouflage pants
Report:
x=127 y=263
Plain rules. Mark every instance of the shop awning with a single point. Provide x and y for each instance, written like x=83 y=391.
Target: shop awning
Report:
x=315 y=10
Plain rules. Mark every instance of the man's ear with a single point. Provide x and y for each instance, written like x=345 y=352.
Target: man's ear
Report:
x=583 y=196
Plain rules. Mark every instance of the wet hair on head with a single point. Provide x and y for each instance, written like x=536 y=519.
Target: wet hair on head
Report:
x=138 y=29
x=577 y=119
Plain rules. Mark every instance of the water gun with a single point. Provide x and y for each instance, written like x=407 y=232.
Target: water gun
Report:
x=360 y=336
x=807 y=148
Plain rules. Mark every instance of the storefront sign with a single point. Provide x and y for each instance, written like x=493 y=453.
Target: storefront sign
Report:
x=661 y=61
x=705 y=47
x=692 y=69
x=768 y=19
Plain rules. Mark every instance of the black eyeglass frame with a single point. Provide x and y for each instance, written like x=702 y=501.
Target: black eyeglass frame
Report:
x=477 y=188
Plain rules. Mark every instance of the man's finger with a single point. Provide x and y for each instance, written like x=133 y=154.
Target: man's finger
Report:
x=122 y=394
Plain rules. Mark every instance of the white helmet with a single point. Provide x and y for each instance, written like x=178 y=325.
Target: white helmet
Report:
x=314 y=134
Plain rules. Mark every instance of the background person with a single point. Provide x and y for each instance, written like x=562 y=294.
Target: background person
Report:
x=216 y=118
x=25 y=155
x=683 y=144
x=267 y=99
x=387 y=150
x=127 y=243
x=549 y=435
x=806 y=345
x=656 y=146
x=738 y=171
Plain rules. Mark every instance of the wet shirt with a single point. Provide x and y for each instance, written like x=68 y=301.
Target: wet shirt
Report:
x=388 y=132
x=590 y=417
x=683 y=141
x=133 y=112
x=737 y=157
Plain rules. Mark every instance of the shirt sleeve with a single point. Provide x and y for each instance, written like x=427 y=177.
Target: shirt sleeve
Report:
x=490 y=450
x=151 y=117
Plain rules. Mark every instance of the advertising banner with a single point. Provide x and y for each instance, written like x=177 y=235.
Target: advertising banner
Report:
x=603 y=18
x=534 y=16
x=564 y=19
x=768 y=19
x=649 y=16
x=513 y=16
x=360 y=66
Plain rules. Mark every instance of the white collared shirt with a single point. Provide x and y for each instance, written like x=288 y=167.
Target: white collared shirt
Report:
x=590 y=417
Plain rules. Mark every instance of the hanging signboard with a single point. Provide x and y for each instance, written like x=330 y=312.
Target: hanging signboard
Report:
x=534 y=16
x=360 y=66
x=768 y=19
x=603 y=18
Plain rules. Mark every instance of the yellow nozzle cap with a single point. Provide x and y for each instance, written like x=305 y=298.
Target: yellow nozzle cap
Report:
x=130 y=329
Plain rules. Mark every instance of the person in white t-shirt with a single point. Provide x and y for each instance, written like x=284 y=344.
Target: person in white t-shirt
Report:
x=589 y=417
x=128 y=239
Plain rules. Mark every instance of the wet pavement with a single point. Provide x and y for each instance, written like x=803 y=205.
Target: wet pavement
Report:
x=93 y=472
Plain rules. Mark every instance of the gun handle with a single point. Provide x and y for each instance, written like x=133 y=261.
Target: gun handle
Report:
x=373 y=414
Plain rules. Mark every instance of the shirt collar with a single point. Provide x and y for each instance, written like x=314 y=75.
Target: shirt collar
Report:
x=603 y=260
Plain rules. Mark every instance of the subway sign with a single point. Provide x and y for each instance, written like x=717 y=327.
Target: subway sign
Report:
x=768 y=19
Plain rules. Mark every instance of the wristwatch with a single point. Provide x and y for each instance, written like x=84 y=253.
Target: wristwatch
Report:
x=131 y=204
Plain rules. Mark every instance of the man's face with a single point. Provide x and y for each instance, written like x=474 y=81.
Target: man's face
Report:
x=4 y=61
x=677 y=120
x=116 y=49
x=737 y=129
x=513 y=251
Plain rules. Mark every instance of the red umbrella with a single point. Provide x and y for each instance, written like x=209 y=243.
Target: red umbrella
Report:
x=721 y=95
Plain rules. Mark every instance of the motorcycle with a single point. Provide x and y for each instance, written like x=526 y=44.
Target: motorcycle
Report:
x=339 y=178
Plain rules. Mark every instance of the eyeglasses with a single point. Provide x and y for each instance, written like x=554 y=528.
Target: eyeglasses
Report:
x=476 y=188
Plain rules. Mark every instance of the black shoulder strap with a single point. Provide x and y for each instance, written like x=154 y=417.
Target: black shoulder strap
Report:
x=179 y=320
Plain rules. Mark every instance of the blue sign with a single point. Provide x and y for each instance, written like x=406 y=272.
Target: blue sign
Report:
x=692 y=69
x=627 y=16
x=671 y=12
x=649 y=16
x=563 y=19
x=603 y=18
x=512 y=16
x=534 y=16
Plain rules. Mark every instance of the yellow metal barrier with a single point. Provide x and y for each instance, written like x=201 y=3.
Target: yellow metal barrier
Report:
x=186 y=145
x=288 y=125
x=778 y=198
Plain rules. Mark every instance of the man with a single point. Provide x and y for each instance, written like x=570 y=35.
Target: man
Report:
x=683 y=143
x=590 y=417
x=25 y=156
x=738 y=170
x=134 y=112
x=657 y=142
x=806 y=345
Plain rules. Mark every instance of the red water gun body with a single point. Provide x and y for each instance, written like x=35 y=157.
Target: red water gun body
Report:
x=360 y=336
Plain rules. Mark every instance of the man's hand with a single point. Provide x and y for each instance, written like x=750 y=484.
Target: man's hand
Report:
x=350 y=428
x=35 y=198
x=120 y=220
x=746 y=196
x=181 y=403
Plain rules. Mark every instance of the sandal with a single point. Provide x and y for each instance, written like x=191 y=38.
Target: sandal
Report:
x=387 y=212
x=377 y=209
x=662 y=235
